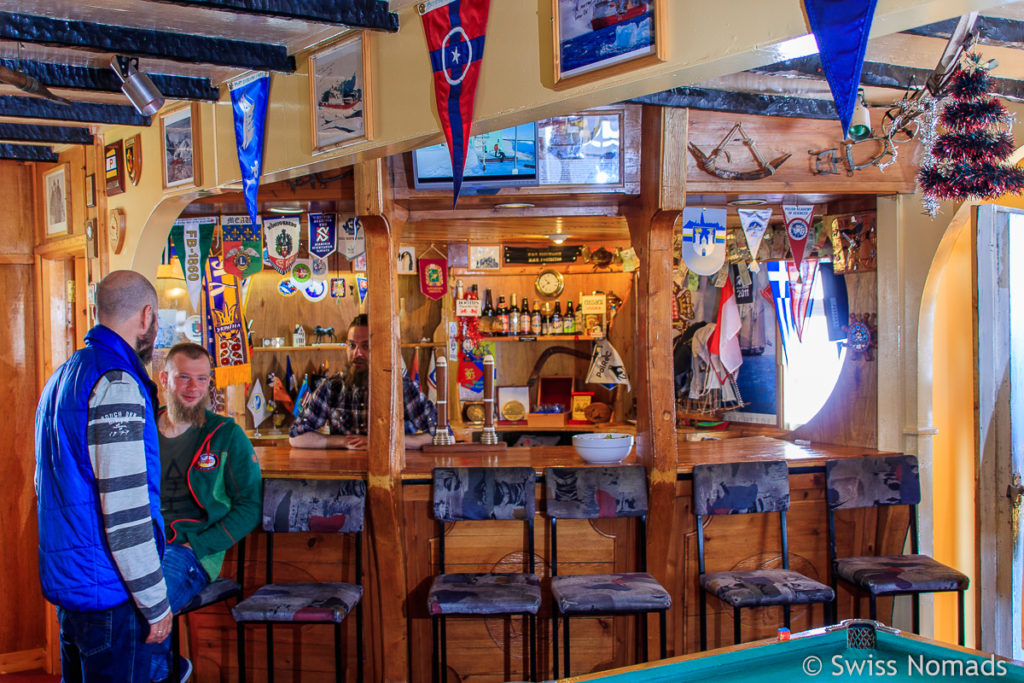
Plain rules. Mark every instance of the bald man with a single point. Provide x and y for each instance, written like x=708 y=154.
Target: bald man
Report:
x=101 y=535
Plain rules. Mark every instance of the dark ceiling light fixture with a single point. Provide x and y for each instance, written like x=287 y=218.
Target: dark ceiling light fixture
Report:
x=29 y=84
x=136 y=85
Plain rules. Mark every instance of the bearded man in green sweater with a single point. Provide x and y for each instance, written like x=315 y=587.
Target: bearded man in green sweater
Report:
x=211 y=493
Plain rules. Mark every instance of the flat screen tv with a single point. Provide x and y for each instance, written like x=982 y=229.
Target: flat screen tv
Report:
x=504 y=158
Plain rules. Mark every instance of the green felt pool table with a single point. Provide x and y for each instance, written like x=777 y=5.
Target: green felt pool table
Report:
x=855 y=650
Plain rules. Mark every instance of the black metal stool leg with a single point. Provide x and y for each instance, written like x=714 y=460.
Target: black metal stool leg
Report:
x=565 y=643
x=736 y=626
x=916 y=614
x=339 y=668
x=444 y=648
x=240 y=627
x=270 y=656
x=960 y=617
x=434 y=663
x=874 y=607
x=786 y=614
x=703 y=620
x=661 y=641
x=359 y=641
x=175 y=650
x=532 y=621
x=554 y=639
x=643 y=634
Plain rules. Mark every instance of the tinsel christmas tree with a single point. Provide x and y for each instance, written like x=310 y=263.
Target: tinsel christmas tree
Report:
x=967 y=161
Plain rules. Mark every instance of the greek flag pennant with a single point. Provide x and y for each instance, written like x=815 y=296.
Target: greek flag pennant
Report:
x=606 y=366
x=778 y=279
x=282 y=240
x=704 y=239
x=192 y=238
x=754 y=222
x=455 y=32
x=798 y=226
x=323 y=234
x=249 y=96
x=242 y=245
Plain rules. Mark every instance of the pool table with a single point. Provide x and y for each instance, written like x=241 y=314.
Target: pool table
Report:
x=854 y=650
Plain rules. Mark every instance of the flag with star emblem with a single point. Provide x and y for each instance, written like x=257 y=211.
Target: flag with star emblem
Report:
x=249 y=103
x=455 y=31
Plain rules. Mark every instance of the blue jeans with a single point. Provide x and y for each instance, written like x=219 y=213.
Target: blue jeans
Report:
x=108 y=645
x=185 y=577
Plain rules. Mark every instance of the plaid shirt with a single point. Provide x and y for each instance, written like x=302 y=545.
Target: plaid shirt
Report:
x=345 y=409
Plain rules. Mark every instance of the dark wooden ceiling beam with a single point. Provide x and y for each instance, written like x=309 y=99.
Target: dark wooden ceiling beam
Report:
x=81 y=112
x=27 y=153
x=741 y=103
x=178 y=47
x=991 y=31
x=104 y=80
x=882 y=75
x=70 y=135
x=371 y=14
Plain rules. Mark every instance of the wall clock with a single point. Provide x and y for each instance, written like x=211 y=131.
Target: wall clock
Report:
x=117 y=227
x=549 y=283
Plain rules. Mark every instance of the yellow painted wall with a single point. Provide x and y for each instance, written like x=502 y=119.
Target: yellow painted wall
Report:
x=953 y=456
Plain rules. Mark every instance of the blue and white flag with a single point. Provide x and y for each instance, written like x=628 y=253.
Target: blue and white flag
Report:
x=249 y=98
x=704 y=233
x=841 y=29
x=257 y=405
x=754 y=223
x=323 y=234
x=778 y=276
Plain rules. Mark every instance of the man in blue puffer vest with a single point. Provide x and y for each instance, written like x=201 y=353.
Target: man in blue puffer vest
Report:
x=101 y=535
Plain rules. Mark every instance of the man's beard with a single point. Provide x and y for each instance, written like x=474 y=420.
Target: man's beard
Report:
x=179 y=413
x=357 y=375
x=144 y=344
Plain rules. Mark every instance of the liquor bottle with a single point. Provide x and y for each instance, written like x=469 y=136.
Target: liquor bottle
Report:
x=556 y=319
x=546 y=320
x=487 y=314
x=513 y=318
x=580 y=327
x=500 y=324
x=537 y=320
x=569 y=321
x=524 y=318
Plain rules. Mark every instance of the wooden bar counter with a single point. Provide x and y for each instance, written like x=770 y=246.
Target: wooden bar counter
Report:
x=491 y=650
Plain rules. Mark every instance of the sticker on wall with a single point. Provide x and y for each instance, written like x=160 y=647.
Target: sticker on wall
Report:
x=286 y=287
x=301 y=272
x=319 y=268
x=339 y=287
x=315 y=290
x=703 y=239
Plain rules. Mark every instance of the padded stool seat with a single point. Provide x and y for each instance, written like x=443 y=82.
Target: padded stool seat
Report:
x=484 y=594
x=215 y=591
x=765 y=587
x=609 y=593
x=891 y=574
x=287 y=602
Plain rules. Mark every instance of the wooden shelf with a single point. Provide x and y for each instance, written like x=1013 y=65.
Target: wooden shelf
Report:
x=339 y=347
x=542 y=338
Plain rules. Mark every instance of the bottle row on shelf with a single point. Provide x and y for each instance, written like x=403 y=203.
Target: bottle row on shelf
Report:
x=516 y=318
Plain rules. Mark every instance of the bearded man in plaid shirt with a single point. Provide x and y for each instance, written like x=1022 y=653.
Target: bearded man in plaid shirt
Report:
x=342 y=403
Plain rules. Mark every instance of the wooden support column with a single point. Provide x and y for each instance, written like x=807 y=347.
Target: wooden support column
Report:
x=386 y=638
x=651 y=225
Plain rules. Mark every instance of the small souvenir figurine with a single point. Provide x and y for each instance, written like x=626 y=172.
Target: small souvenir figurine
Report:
x=299 y=336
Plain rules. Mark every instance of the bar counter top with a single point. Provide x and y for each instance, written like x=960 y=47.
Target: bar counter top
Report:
x=285 y=462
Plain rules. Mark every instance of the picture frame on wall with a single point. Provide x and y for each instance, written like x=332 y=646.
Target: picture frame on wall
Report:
x=485 y=257
x=603 y=38
x=180 y=147
x=581 y=149
x=56 y=201
x=406 y=260
x=113 y=167
x=339 y=94
x=90 y=190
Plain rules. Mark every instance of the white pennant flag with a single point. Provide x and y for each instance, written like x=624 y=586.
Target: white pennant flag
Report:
x=606 y=365
x=257 y=405
x=754 y=222
x=193 y=254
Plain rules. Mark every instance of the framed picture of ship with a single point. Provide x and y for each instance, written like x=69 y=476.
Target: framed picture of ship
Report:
x=339 y=94
x=598 y=38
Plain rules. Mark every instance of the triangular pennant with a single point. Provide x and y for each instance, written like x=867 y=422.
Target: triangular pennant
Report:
x=192 y=238
x=841 y=29
x=798 y=227
x=754 y=223
x=242 y=244
x=455 y=31
x=249 y=96
x=606 y=365
x=801 y=288
x=778 y=280
x=282 y=241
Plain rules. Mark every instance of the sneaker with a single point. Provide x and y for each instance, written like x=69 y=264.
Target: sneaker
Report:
x=185 y=667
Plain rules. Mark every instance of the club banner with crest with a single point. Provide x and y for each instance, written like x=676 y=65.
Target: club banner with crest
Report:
x=242 y=246
x=282 y=239
x=606 y=367
x=433 y=277
x=798 y=227
x=192 y=238
x=704 y=233
x=323 y=234
x=225 y=326
x=249 y=97
x=455 y=32
x=754 y=223
x=351 y=239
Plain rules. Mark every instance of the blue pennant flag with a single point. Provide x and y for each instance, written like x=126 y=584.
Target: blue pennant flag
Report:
x=841 y=29
x=249 y=97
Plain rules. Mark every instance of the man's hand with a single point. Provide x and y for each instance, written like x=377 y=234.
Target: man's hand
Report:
x=356 y=442
x=159 y=631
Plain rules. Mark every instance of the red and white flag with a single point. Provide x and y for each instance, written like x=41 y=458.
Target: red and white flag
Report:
x=725 y=340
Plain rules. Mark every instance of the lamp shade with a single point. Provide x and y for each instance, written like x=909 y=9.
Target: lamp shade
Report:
x=137 y=86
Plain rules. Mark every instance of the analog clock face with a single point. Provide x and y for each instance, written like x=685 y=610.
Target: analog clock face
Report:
x=549 y=283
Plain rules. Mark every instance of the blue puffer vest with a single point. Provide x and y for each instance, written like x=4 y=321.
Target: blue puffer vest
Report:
x=76 y=568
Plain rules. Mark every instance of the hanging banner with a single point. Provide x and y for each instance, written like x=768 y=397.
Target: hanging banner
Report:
x=754 y=222
x=257 y=405
x=743 y=287
x=778 y=279
x=455 y=31
x=704 y=239
x=798 y=227
x=362 y=286
x=319 y=268
x=323 y=234
x=801 y=285
x=192 y=238
x=606 y=367
x=225 y=326
x=351 y=241
x=242 y=245
x=282 y=241
x=249 y=96
x=433 y=277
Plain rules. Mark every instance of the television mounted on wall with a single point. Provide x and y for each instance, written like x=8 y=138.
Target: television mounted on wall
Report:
x=504 y=158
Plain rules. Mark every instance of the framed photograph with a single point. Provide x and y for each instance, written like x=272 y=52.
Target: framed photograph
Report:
x=179 y=147
x=113 y=167
x=484 y=258
x=55 y=193
x=581 y=149
x=616 y=35
x=90 y=190
x=339 y=94
x=407 y=260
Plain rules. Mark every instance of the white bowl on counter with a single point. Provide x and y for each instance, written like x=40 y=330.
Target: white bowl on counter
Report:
x=603 y=448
